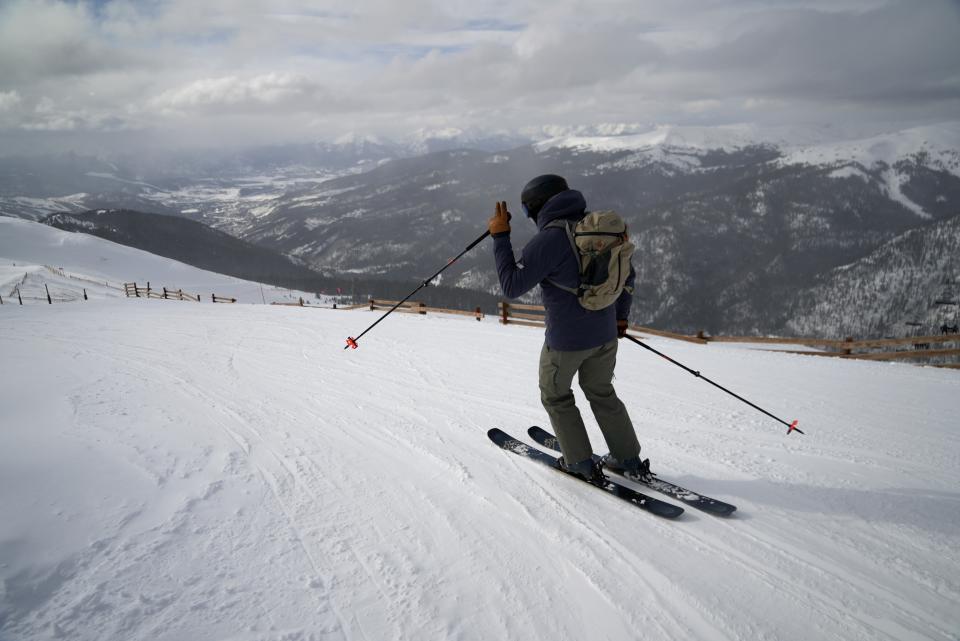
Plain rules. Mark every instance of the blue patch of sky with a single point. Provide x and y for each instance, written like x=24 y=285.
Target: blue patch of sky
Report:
x=97 y=7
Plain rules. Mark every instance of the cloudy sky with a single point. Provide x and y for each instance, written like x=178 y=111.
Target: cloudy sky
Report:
x=251 y=71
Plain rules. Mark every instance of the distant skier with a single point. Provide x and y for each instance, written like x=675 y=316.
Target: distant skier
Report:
x=578 y=341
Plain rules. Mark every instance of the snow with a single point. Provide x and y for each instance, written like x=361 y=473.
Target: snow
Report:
x=941 y=142
x=176 y=471
x=682 y=147
x=730 y=138
x=850 y=171
x=441 y=185
x=101 y=266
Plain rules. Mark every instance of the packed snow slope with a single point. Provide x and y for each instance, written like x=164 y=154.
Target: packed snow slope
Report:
x=33 y=255
x=176 y=471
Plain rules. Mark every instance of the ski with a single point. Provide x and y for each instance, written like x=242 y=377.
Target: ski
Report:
x=642 y=501
x=693 y=499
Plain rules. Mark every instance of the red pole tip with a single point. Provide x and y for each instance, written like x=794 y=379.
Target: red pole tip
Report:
x=351 y=342
x=793 y=427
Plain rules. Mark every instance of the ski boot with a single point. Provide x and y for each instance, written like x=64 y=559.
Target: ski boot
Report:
x=632 y=468
x=587 y=469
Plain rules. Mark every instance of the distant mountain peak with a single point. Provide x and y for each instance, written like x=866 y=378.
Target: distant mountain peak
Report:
x=939 y=143
x=800 y=144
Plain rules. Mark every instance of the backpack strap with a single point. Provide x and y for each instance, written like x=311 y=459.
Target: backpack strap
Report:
x=568 y=226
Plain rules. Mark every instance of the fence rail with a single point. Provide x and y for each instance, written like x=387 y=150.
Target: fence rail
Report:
x=943 y=347
x=179 y=294
x=414 y=307
x=408 y=307
x=510 y=317
x=876 y=349
x=846 y=344
x=132 y=290
x=356 y=306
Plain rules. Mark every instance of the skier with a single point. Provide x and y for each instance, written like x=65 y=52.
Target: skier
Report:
x=578 y=341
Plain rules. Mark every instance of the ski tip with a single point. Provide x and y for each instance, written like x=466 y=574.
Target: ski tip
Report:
x=725 y=510
x=793 y=428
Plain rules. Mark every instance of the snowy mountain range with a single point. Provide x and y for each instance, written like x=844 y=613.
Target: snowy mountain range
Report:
x=731 y=223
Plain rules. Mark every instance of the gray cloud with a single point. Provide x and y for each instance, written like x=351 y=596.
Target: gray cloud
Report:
x=290 y=69
x=45 y=39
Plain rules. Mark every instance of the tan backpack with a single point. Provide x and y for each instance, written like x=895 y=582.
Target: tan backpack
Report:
x=603 y=249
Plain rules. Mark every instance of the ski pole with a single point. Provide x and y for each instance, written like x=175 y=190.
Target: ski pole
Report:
x=352 y=342
x=791 y=427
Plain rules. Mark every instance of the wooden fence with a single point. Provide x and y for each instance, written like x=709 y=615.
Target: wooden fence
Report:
x=878 y=349
x=944 y=347
x=132 y=290
x=169 y=294
x=302 y=303
x=533 y=316
x=413 y=307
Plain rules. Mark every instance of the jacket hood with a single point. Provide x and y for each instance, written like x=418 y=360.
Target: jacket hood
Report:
x=566 y=204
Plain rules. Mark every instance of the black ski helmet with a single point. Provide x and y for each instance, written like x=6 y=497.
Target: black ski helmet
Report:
x=538 y=191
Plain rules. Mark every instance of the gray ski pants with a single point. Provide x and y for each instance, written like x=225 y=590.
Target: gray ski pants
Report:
x=595 y=368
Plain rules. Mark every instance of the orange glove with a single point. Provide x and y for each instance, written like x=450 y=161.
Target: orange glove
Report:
x=499 y=223
x=621 y=328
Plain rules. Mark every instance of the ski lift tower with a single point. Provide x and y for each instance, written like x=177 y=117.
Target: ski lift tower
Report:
x=914 y=328
x=948 y=299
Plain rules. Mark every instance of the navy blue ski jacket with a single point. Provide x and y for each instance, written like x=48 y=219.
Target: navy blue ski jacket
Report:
x=570 y=327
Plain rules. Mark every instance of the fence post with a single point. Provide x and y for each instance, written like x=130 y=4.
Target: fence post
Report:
x=85 y=294
x=49 y=300
x=423 y=308
x=479 y=313
x=1 y=300
x=148 y=289
x=847 y=350
x=371 y=305
x=504 y=312
x=213 y=298
x=18 y=295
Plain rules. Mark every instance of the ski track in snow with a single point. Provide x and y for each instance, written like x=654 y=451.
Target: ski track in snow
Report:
x=185 y=472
